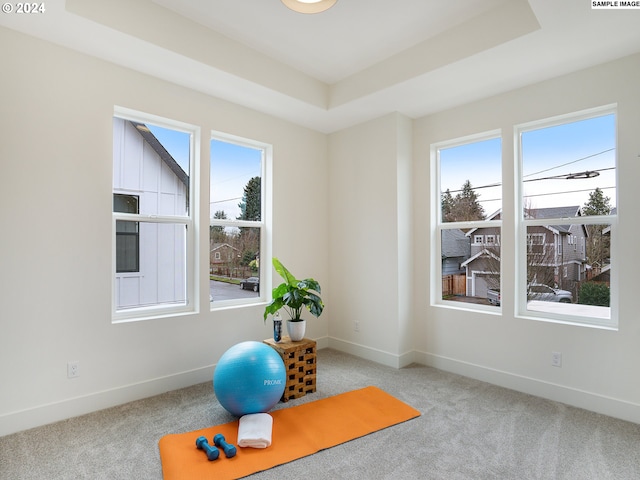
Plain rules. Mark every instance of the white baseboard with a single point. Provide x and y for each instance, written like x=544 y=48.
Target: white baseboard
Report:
x=53 y=412
x=17 y=421
x=373 y=354
x=594 y=402
x=44 y=414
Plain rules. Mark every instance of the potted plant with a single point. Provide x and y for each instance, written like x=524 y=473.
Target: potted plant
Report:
x=293 y=295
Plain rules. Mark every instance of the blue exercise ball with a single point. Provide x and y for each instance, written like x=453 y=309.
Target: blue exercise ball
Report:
x=250 y=377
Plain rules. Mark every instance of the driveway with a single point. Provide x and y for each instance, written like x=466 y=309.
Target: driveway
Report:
x=228 y=291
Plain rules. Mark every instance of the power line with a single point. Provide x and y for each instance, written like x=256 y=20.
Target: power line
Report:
x=564 y=176
x=569 y=191
x=569 y=163
x=550 y=193
x=227 y=200
x=569 y=176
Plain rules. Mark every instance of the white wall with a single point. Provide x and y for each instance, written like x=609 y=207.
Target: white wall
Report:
x=600 y=367
x=55 y=206
x=364 y=235
x=370 y=204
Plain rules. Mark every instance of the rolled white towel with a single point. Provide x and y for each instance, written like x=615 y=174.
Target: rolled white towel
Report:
x=254 y=430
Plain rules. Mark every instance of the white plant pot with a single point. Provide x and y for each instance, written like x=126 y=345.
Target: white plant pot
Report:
x=296 y=329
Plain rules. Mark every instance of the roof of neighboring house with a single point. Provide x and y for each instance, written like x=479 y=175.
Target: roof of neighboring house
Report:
x=166 y=157
x=217 y=246
x=454 y=244
x=482 y=253
x=553 y=212
x=497 y=215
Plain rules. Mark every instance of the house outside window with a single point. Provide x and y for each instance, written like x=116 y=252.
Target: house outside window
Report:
x=567 y=186
x=153 y=188
x=240 y=216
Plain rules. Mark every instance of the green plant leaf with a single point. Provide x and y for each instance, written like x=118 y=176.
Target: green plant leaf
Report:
x=294 y=295
x=284 y=273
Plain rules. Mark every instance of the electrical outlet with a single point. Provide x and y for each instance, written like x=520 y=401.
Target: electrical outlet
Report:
x=556 y=359
x=73 y=369
x=356 y=326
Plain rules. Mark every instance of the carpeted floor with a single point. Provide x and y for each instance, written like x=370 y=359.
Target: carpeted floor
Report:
x=467 y=430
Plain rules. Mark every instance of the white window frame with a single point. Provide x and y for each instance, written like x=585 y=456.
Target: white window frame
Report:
x=264 y=224
x=191 y=304
x=522 y=223
x=438 y=225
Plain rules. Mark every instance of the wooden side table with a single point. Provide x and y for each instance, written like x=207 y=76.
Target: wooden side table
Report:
x=300 y=365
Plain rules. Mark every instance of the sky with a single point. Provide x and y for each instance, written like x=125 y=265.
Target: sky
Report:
x=175 y=142
x=232 y=166
x=557 y=151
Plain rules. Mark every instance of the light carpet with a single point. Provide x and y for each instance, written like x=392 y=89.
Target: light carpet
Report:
x=297 y=432
x=468 y=430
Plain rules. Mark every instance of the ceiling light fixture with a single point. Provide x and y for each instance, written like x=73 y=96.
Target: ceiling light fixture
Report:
x=309 y=6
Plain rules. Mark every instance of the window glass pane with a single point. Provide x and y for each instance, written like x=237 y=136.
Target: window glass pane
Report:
x=127 y=246
x=569 y=173
x=127 y=239
x=471 y=265
x=234 y=263
x=152 y=163
x=470 y=180
x=125 y=203
x=565 y=165
x=151 y=168
x=161 y=279
x=569 y=269
x=236 y=181
x=236 y=197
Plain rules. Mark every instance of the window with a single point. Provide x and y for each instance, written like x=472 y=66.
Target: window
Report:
x=239 y=211
x=535 y=243
x=568 y=194
x=153 y=197
x=127 y=234
x=468 y=219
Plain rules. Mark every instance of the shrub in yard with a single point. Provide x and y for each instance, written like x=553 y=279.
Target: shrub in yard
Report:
x=592 y=293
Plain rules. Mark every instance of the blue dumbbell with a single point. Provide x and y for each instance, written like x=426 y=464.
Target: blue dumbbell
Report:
x=203 y=444
x=229 y=450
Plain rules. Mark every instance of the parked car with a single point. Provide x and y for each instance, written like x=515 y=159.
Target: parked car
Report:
x=251 y=283
x=493 y=296
x=536 y=291
x=545 y=293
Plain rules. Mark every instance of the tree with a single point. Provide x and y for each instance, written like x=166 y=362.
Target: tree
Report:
x=447 y=205
x=463 y=207
x=248 y=241
x=250 y=206
x=598 y=244
x=598 y=204
x=216 y=232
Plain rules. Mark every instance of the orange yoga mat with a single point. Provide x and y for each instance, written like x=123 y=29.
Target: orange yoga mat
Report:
x=297 y=432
